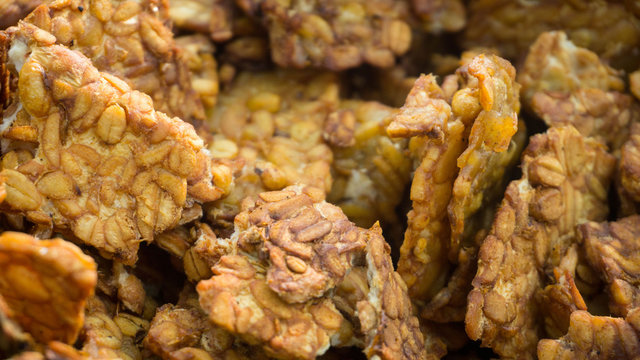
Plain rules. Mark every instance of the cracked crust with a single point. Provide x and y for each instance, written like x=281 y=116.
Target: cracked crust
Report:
x=609 y=28
x=101 y=164
x=335 y=35
x=128 y=39
x=564 y=183
x=568 y=85
x=45 y=283
x=308 y=248
x=611 y=250
x=595 y=337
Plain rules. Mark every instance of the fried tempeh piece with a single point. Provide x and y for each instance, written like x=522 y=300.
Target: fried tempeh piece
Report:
x=102 y=164
x=492 y=148
x=127 y=39
x=423 y=256
x=486 y=111
x=612 y=249
x=270 y=126
x=564 y=183
x=212 y=17
x=370 y=170
x=11 y=11
x=595 y=337
x=45 y=284
x=568 y=85
x=335 y=35
x=609 y=28
x=310 y=246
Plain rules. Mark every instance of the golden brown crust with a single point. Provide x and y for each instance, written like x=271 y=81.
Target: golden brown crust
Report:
x=103 y=164
x=595 y=337
x=606 y=27
x=480 y=180
x=568 y=85
x=565 y=177
x=45 y=284
x=493 y=147
x=485 y=110
x=611 y=249
x=423 y=261
x=11 y=11
x=310 y=244
x=308 y=247
x=336 y=35
x=425 y=112
x=127 y=39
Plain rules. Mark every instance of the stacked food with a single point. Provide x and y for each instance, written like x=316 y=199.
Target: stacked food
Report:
x=280 y=179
